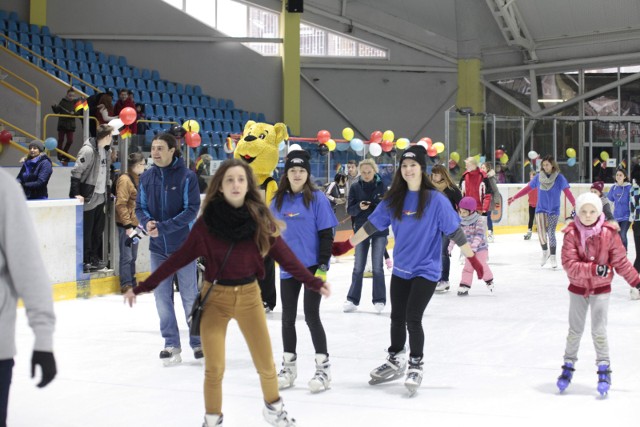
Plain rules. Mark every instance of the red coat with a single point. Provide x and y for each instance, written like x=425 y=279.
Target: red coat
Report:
x=603 y=249
x=474 y=185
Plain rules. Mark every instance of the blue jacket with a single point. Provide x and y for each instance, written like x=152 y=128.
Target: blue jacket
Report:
x=171 y=197
x=361 y=191
x=34 y=177
x=620 y=195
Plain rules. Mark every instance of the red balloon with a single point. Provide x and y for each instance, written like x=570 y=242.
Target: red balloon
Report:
x=386 y=146
x=5 y=137
x=376 y=137
x=427 y=141
x=499 y=153
x=193 y=139
x=128 y=115
x=432 y=152
x=323 y=136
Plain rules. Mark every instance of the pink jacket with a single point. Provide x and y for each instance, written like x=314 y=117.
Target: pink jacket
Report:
x=603 y=249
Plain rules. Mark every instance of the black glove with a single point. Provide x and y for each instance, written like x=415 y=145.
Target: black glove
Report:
x=47 y=365
x=601 y=270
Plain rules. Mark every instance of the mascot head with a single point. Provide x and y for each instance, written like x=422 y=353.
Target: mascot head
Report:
x=259 y=146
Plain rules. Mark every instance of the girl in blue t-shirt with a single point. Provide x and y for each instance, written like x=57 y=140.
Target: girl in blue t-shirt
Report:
x=620 y=196
x=419 y=215
x=309 y=221
x=550 y=184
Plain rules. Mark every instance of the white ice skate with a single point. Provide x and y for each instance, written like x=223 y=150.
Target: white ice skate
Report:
x=321 y=380
x=275 y=415
x=463 y=290
x=528 y=235
x=552 y=261
x=211 y=420
x=414 y=375
x=490 y=237
x=545 y=257
x=289 y=371
x=442 y=286
x=170 y=356
x=390 y=370
x=490 y=285
x=349 y=307
x=634 y=294
x=378 y=307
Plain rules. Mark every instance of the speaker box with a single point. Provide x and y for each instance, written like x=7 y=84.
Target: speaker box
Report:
x=295 y=6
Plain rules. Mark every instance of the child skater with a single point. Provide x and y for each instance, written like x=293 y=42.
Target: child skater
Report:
x=475 y=229
x=533 y=201
x=591 y=250
x=619 y=195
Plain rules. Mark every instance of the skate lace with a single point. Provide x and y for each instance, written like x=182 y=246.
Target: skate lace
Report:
x=413 y=375
x=285 y=372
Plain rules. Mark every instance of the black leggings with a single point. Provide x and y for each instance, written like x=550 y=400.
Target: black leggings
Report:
x=532 y=216
x=636 y=239
x=409 y=300
x=289 y=292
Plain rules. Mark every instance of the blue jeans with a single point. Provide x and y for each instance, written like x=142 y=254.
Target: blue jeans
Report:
x=624 y=229
x=128 y=257
x=164 y=300
x=489 y=221
x=378 y=245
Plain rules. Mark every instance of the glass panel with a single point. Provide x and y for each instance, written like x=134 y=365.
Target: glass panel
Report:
x=312 y=41
x=340 y=46
x=554 y=89
x=230 y=14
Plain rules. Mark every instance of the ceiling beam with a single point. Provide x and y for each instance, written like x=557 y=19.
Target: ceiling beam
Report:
x=379 y=67
x=512 y=25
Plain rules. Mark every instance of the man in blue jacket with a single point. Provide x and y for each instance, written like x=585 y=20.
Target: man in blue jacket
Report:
x=167 y=205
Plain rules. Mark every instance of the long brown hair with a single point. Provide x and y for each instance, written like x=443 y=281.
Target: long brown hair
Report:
x=285 y=186
x=444 y=173
x=398 y=191
x=267 y=227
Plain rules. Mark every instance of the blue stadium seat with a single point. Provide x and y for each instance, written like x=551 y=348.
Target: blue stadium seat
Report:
x=12 y=26
x=185 y=100
x=109 y=81
x=112 y=60
x=244 y=116
x=166 y=99
x=216 y=139
x=101 y=58
x=115 y=71
x=191 y=113
x=161 y=86
x=13 y=16
x=3 y=26
x=134 y=93
x=155 y=98
x=80 y=46
x=155 y=75
x=103 y=69
x=208 y=126
x=197 y=90
x=218 y=114
x=200 y=113
x=222 y=104
x=160 y=111
x=236 y=115
x=23 y=38
x=149 y=110
x=36 y=40
x=98 y=80
x=217 y=126
x=68 y=44
x=213 y=103
x=47 y=52
x=23 y=27
x=230 y=104
x=228 y=115
x=120 y=84
x=149 y=135
x=236 y=126
x=146 y=74
x=83 y=67
x=135 y=72
x=57 y=42
x=37 y=50
x=171 y=87
x=169 y=109
x=140 y=84
x=130 y=83
x=226 y=126
x=88 y=46
x=126 y=71
x=70 y=55
x=208 y=114
x=261 y=117
x=45 y=31
x=81 y=56
x=72 y=67
x=145 y=97
x=179 y=89
x=61 y=63
x=188 y=89
x=88 y=90
x=34 y=29
x=175 y=99
x=58 y=53
x=122 y=61
x=151 y=86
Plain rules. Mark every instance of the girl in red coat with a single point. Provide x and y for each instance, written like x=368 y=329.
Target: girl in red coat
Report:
x=591 y=250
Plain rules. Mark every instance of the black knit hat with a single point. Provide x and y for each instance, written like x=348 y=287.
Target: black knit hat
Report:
x=298 y=158
x=417 y=153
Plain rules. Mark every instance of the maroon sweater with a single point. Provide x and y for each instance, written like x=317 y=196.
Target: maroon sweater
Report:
x=244 y=261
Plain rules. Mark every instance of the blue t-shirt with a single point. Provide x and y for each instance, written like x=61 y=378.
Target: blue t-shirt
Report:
x=303 y=225
x=620 y=195
x=549 y=200
x=418 y=242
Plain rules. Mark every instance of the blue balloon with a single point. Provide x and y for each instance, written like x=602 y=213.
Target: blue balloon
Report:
x=356 y=144
x=342 y=146
x=571 y=161
x=50 y=143
x=281 y=146
x=482 y=159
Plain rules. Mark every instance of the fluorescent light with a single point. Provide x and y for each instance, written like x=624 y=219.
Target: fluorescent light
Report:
x=551 y=100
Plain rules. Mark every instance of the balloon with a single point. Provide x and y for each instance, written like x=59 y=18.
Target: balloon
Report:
x=499 y=154
x=128 y=115
x=324 y=136
x=281 y=146
x=1 y=148
x=482 y=159
x=331 y=145
x=347 y=133
x=343 y=146
x=356 y=144
x=375 y=149
x=178 y=131
x=439 y=146
x=116 y=124
x=427 y=141
x=477 y=157
x=386 y=145
x=324 y=150
x=229 y=146
x=423 y=144
x=452 y=164
x=432 y=151
x=455 y=156
x=5 y=137
x=50 y=143
x=193 y=139
x=376 y=136
x=571 y=161
x=402 y=143
x=294 y=147
x=604 y=156
x=388 y=135
x=532 y=154
x=191 y=126
x=504 y=159
x=570 y=152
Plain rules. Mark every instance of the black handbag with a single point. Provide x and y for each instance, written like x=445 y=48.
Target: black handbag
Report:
x=195 y=317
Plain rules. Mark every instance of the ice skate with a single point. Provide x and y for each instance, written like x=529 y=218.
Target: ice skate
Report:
x=490 y=236
x=635 y=294
x=565 y=378
x=552 y=261
x=275 y=415
x=378 y=307
x=490 y=285
x=528 y=235
x=442 y=286
x=198 y=353
x=289 y=371
x=211 y=420
x=349 y=307
x=545 y=257
x=463 y=290
x=321 y=380
x=604 y=379
x=171 y=356
x=414 y=375
x=390 y=370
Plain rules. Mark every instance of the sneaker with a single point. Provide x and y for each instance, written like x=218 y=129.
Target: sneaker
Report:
x=490 y=237
x=378 y=307
x=545 y=257
x=275 y=414
x=349 y=307
x=553 y=262
x=463 y=290
x=212 y=420
x=198 y=354
x=171 y=356
x=490 y=285
x=99 y=264
x=367 y=274
x=442 y=286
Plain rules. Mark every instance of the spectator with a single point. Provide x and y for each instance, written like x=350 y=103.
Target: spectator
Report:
x=105 y=109
x=474 y=184
x=336 y=191
x=167 y=212
x=352 y=176
x=35 y=172
x=66 y=125
x=125 y=99
x=89 y=185
x=19 y=243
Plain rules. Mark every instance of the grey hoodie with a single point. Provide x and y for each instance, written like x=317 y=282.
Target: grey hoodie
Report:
x=84 y=174
x=22 y=272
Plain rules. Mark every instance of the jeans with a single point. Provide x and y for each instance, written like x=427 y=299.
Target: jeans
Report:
x=378 y=245
x=164 y=300
x=624 y=229
x=446 y=259
x=6 y=371
x=489 y=221
x=128 y=257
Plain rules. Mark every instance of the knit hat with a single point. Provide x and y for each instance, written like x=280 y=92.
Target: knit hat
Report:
x=417 y=153
x=468 y=203
x=298 y=158
x=598 y=185
x=38 y=144
x=589 y=199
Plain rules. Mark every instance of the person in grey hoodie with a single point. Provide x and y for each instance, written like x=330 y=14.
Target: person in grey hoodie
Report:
x=18 y=242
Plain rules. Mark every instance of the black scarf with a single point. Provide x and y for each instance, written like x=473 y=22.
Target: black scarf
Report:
x=229 y=223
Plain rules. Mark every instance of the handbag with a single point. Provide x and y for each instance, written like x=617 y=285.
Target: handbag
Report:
x=195 y=317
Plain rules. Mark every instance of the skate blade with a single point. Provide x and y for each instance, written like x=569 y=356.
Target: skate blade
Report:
x=316 y=387
x=412 y=390
x=172 y=361
x=375 y=381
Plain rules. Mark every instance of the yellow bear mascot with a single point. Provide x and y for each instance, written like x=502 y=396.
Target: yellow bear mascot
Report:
x=259 y=147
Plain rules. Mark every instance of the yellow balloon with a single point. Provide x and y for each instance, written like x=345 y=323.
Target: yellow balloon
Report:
x=347 y=133
x=388 y=135
x=439 y=146
x=191 y=126
x=1 y=148
x=604 y=156
x=477 y=157
x=455 y=156
x=504 y=159
x=402 y=143
x=571 y=152
x=331 y=144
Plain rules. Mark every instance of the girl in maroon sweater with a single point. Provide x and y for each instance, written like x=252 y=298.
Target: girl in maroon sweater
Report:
x=234 y=213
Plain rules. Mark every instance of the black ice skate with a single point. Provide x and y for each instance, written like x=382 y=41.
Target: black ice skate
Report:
x=390 y=370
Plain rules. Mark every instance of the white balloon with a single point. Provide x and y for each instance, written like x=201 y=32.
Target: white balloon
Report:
x=532 y=155
x=294 y=147
x=375 y=149
x=116 y=124
x=423 y=144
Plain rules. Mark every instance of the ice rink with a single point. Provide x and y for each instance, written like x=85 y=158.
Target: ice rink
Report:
x=491 y=359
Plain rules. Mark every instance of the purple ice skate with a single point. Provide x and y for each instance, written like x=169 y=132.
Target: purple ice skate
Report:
x=604 y=379
x=565 y=378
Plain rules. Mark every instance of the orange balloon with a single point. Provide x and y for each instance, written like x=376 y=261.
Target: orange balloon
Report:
x=376 y=137
x=128 y=115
